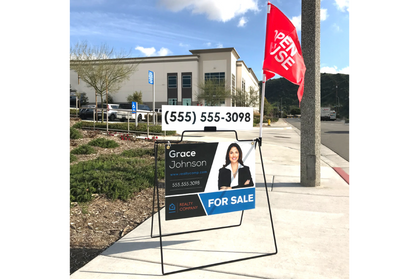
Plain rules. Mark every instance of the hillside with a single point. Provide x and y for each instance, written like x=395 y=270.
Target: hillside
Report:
x=330 y=95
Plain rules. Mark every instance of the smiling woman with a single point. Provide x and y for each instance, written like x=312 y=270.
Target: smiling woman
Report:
x=234 y=174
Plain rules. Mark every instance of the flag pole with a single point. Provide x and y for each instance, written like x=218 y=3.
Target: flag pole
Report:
x=262 y=106
x=262 y=101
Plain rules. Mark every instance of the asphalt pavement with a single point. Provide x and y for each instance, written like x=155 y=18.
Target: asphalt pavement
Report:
x=336 y=135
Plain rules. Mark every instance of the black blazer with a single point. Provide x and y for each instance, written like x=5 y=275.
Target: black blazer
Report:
x=224 y=177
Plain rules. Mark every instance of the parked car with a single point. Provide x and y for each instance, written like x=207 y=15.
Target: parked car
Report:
x=112 y=110
x=125 y=112
x=86 y=113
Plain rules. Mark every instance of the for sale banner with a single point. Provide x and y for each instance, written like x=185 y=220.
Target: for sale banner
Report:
x=209 y=178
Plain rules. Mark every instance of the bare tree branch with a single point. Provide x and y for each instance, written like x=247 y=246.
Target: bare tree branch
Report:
x=100 y=67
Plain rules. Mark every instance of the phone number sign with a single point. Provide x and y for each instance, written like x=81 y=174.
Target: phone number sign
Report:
x=199 y=117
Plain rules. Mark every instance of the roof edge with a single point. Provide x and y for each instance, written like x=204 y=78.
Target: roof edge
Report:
x=212 y=50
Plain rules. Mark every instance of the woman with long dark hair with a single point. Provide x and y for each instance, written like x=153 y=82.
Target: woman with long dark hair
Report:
x=234 y=174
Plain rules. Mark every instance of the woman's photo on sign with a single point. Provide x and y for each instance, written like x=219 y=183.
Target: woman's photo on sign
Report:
x=234 y=173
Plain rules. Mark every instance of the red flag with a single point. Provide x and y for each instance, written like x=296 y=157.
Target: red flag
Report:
x=283 y=55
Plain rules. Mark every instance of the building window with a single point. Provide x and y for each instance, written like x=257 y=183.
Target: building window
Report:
x=243 y=85
x=217 y=77
x=172 y=81
x=186 y=81
x=172 y=101
x=186 y=101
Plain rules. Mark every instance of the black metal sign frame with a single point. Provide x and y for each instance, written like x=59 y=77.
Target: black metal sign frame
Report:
x=156 y=193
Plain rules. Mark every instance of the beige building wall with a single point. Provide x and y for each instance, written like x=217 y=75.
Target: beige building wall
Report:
x=200 y=62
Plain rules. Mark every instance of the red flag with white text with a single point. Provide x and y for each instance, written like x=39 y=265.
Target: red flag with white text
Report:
x=283 y=55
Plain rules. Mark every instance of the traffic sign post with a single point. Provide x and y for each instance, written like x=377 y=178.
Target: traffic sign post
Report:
x=151 y=81
x=134 y=110
x=150 y=77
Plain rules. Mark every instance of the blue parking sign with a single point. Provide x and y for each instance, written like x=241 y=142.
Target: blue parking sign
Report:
x=134 y=107
x=150 y=77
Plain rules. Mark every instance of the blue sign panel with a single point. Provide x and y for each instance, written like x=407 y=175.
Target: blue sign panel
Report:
x=228 y=201
x=134 y=107
x=150 y=77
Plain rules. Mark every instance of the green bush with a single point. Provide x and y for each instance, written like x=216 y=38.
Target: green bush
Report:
x=113 y=175
x=74 y=111
x=75 y=134
x=73 y=158
x=104 y=143
x=142 y=127
x=83 y=149
x=140 y=152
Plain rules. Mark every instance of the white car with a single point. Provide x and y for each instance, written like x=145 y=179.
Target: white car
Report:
x=333 y=115
x=125 y=112
x=112 y=110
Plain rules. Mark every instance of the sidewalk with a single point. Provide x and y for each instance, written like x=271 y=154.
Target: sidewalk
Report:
x=311 y=228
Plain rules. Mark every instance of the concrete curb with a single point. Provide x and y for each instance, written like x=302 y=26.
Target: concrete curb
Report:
x=342 y=173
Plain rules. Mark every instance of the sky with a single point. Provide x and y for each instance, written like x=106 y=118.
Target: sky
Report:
x=173 y=27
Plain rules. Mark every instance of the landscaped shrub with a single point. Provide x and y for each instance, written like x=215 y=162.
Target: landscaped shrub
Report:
x=83 y=149
x=104 y=143
x=113 y=175
x=122 y=127
x=75 y=134
x=73 y=158
x=138 y=152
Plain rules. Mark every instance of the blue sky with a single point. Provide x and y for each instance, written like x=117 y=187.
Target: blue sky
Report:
x=173 y=27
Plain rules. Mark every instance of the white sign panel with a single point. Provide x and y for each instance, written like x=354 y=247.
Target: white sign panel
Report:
x=198 y=117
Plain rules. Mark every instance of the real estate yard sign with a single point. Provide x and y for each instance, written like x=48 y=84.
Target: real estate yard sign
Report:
x=194 y=173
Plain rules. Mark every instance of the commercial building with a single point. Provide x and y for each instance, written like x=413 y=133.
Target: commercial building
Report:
x=176 y=78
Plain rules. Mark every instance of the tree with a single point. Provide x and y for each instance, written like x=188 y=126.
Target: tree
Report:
x=246 y=99
x=294 y=110
x=213 y=92
x=267 y=108
x=136 y=97
x=100 y=67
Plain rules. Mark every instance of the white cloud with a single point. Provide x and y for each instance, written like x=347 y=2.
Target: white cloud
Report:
x=219 y=10
x=147 y=51
x=242 y=22
x=342 y=5
x=334 y=70
x=151 y=51
x=323 y=14
x=296 y=20
x=164 y=51
x=344 y=70
x=209 y=45
x=336 y=27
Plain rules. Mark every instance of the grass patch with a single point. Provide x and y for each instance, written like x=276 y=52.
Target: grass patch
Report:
x=75 y=134
x=115 y=176
x=73 y=158
x=123 y=127
x=104 y=143
x=83 y=150
x=140 y=152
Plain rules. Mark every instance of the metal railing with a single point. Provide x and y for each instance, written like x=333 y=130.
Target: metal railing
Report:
x=97 y=112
